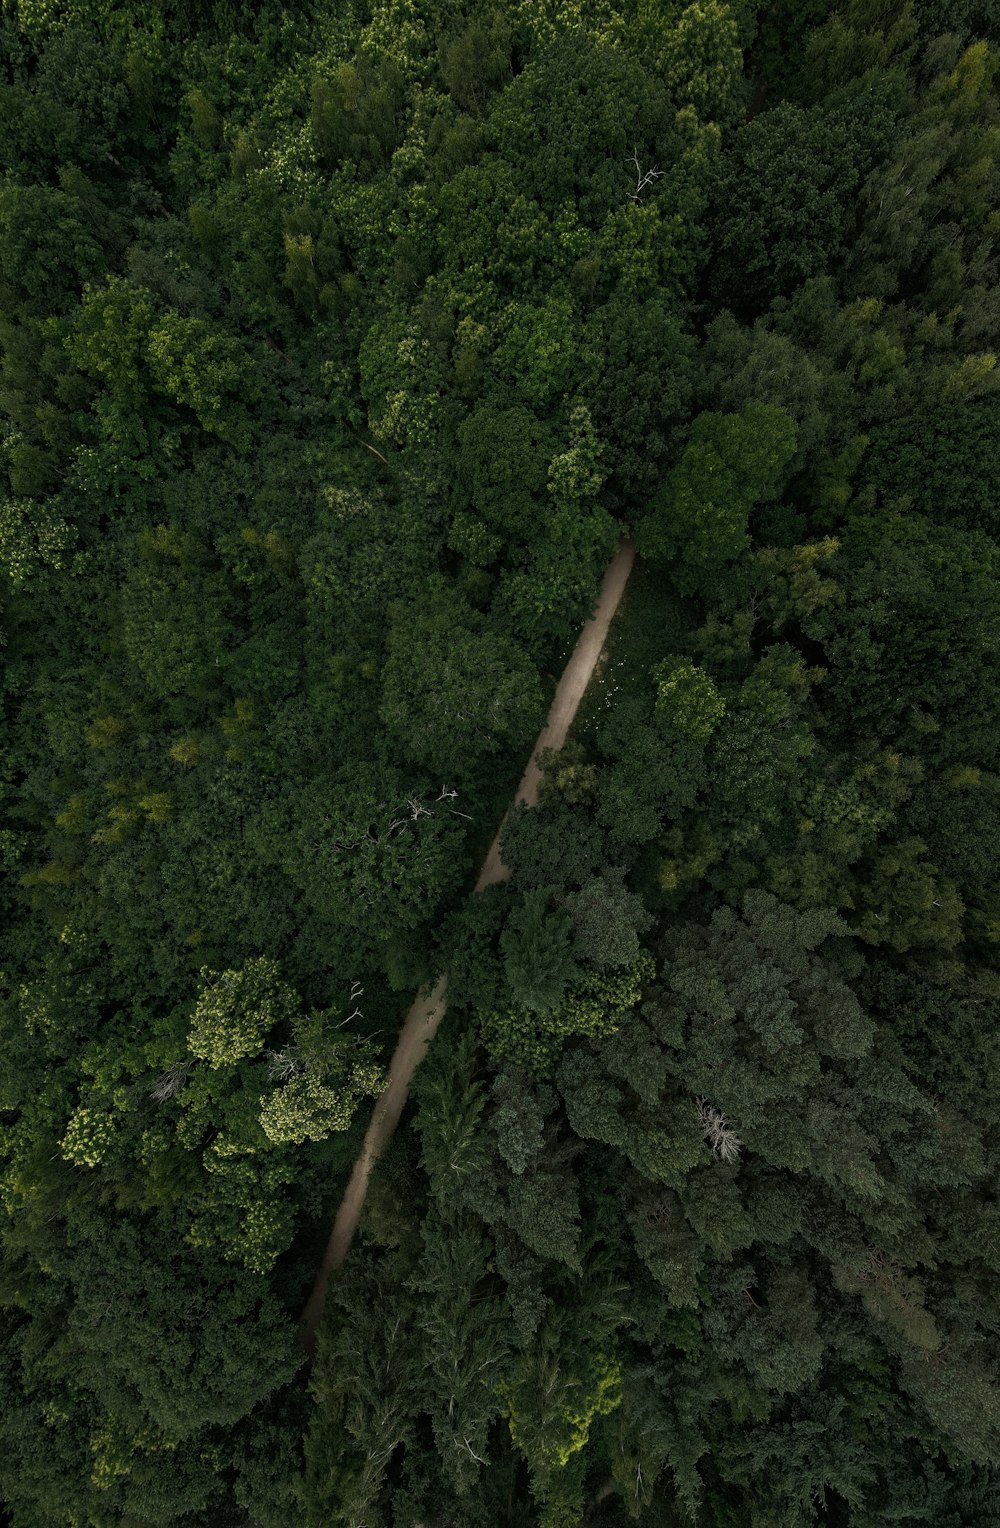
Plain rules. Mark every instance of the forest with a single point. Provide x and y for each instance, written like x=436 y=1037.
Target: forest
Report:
x=341 y=341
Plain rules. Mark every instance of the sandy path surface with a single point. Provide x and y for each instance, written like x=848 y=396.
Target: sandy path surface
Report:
x=423 y=1018
x=569 y=693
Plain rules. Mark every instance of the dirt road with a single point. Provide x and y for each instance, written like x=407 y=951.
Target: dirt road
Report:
x=423 y=1018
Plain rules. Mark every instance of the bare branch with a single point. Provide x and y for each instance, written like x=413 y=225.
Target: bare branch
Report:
x=718 y=1132
x=285 y=1063
x=644 y=179
x=169 y=1084
x=472 y=1451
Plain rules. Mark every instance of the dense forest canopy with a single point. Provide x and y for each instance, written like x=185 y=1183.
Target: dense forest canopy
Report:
x=339 y=345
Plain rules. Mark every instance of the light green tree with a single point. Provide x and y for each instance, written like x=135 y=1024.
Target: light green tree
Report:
x=314 y=1103
x=687 y=699
x=236 y=1011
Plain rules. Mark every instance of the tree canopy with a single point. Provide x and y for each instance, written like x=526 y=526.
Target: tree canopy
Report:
x=339 y=347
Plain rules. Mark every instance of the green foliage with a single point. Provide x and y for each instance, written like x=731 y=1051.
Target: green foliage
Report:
x=536 y=946
x=700 y=61
x=607 y=920
x=567 y=121
x=344 y=1463
x=202 y=370
x=338 y=349
x=921 y=619
x=236 y=1011
x=943 y=462
x=595 y=1005
x=687 y=699
x=643 y=365
x=321 y=1099
x=549 y=1437
x=699 y=519
x=47 y=249
x=453 y=687
x=356 y=114
x=808 y=166
x=477 y=62
x=32 y=537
